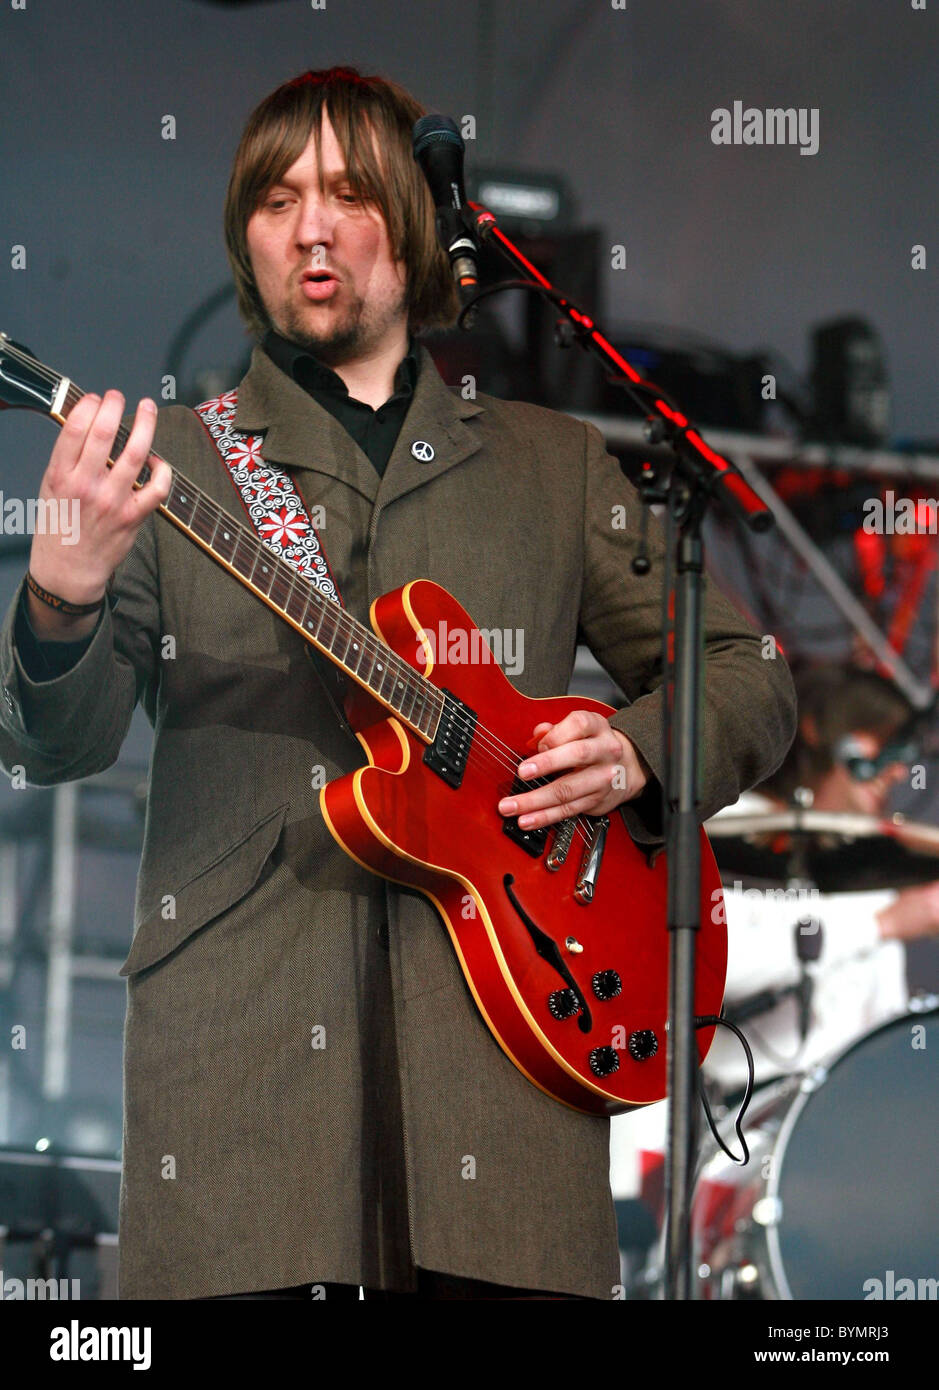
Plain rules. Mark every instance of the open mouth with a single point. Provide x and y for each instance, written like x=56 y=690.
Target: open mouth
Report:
x=319 y=284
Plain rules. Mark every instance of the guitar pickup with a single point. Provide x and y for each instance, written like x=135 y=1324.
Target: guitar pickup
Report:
x=593 y=857
x=449 y=751
x=531 y=841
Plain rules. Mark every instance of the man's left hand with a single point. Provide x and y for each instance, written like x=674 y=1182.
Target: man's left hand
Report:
x=603 y=768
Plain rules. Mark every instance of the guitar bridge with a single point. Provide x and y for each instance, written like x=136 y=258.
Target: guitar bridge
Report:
x=561 y=844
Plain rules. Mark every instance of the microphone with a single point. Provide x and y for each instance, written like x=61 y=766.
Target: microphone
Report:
x=809 y=936
x=438 y=149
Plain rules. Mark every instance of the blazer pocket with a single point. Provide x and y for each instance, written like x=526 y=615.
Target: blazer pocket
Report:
x=208 y=893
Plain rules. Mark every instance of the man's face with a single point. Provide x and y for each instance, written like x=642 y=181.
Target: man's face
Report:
x=840 y=791
x=356 y=309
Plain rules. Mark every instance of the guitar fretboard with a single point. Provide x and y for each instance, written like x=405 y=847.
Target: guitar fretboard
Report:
x=347 y=643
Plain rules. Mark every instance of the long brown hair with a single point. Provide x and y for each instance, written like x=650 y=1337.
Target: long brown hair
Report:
x=276 y=134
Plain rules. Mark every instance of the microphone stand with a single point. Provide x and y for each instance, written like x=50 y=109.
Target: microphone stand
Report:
x=699 y=475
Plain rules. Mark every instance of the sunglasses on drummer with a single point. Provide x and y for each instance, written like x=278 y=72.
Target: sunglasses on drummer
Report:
x=864 y=767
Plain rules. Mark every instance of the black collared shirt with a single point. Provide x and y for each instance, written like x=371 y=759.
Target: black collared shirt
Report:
x=375 y=431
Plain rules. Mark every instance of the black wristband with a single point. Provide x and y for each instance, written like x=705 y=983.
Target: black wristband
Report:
x=61 y=605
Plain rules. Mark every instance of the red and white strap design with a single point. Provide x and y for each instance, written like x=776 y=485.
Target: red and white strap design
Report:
x=274 y=505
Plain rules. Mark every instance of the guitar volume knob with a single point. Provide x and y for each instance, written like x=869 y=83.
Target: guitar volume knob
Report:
x=643 y=1044
x=562 y=1003
x=606 y=984
x=604 y=1061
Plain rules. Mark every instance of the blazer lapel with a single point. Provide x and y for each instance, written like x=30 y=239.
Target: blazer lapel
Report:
x=299 y=433
x=436 y=418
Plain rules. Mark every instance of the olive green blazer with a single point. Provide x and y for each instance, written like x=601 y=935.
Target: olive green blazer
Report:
x=309 y=1091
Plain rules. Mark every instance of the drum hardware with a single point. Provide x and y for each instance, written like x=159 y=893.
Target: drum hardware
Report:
x=767 y=1211
x=742 y=1284
x=807 y=823
x=820 y=1211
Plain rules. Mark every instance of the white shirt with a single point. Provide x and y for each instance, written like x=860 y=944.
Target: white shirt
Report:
x=858 y=981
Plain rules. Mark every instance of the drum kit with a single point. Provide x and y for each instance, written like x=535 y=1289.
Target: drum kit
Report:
x=839 y=1194
x=838 y=1199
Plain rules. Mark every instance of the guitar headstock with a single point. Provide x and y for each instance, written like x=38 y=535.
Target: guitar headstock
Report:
x=25 y=383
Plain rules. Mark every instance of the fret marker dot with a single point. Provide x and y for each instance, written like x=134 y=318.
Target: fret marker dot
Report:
x=181 y=497
x=355 y=646
x=225 y=535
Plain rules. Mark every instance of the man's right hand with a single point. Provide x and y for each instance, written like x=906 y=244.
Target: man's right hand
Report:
x=912 y=915
x=109 y=514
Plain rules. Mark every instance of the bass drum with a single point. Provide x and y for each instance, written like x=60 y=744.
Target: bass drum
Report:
x=841 y=1183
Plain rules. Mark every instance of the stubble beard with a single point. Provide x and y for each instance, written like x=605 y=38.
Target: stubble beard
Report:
x=351 y=336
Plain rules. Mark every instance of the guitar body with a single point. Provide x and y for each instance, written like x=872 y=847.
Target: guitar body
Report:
x=514 y=923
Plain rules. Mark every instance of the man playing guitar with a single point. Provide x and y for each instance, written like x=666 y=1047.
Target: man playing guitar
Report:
x=311 y=1095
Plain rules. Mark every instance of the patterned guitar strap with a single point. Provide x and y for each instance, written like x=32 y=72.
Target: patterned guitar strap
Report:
x=279 y=516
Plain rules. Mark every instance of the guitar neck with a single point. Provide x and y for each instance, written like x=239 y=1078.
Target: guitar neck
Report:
x=347 y=643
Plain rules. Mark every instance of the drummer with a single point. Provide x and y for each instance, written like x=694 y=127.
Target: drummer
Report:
x=846 y=758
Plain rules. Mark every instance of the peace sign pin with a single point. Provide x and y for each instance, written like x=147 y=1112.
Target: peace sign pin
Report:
x=422 y=451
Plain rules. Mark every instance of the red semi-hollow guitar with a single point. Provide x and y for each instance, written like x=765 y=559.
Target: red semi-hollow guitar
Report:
x=560 y=933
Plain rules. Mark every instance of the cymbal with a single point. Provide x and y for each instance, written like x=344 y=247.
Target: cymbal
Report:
x=915 y=836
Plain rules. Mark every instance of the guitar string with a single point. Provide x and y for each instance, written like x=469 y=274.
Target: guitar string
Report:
x=495 y=747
